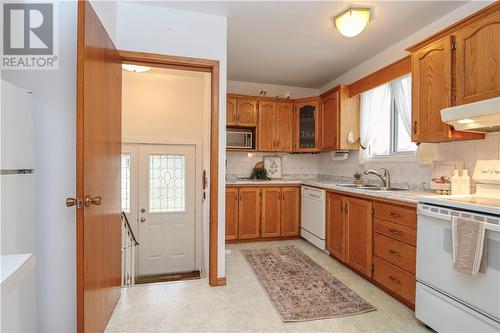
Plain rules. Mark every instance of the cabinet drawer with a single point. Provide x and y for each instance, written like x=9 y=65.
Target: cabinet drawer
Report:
x=396 y=214
x=395 y=279
x=395 y=252
x=396 y=231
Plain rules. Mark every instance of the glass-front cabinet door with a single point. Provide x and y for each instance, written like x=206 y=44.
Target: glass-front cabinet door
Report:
x=307 y=125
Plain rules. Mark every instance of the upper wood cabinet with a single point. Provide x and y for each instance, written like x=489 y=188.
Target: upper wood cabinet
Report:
x=275 y=126
x=478 y=60
x=339 y=117
x=241 y=111
x=431 y=91
x=231 y=213
x=284 y=127
x=335 y=225
x=249 y=205
x=307 y=125
x=290 y=211
x=231 y=111
x=458 y=65
x=358 y=219
x=271 y=212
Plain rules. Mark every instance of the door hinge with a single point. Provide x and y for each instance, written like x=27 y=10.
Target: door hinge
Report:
x=453 y=46
x=373 y=211
x=373 y=268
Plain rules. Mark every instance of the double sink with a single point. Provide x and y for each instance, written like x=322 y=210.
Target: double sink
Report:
x=370 y=187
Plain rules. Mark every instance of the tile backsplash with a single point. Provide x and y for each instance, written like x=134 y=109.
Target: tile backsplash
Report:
x=409 y=174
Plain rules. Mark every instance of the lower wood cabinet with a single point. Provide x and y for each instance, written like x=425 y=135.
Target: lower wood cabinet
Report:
x=377 y=239
x=249 y=205
x=262 y=212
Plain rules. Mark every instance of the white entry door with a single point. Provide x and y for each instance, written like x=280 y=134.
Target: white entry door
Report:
x=166 y=209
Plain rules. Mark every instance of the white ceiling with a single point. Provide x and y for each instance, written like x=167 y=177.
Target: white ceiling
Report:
x=294 y=43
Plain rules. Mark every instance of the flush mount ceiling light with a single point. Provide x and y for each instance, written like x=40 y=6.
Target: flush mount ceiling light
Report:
x=351 y=22
x=135 y=68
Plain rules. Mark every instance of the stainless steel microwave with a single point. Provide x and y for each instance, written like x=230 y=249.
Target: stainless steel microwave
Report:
x=236 y=138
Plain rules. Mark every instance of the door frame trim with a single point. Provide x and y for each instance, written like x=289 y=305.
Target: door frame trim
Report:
x=212 y=67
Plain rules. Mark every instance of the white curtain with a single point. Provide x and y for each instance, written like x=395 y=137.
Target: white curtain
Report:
x=372 y=102
x=402 y=98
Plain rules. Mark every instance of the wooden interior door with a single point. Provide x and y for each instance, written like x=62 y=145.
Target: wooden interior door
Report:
x=431 y=92
x=230 y=111
x=249 y=205
x=98 y=173
x=358 y=214
x=267 y=125
x=335 y=225
x=271 y=211
x=330 y=121
x=231 y=213
x=246 y=112
x=478 y=60
x=284 y=127
x=290 y=211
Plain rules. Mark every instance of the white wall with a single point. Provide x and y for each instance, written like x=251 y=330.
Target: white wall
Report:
x=397 y=51
x=107 y=12
x=253 y=88
x=54 y=100
x=166 y=31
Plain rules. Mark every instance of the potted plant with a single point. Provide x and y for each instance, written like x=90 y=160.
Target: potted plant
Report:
x=357 y=178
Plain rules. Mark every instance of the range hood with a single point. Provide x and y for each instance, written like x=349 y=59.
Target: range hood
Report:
x=482 y=116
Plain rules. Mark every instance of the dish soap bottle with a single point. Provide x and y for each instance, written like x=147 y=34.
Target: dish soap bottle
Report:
x=455 y=183
x=465 y=182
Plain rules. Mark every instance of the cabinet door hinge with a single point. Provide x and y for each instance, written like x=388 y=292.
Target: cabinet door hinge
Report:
x=373 y=211
x=373 y=268
x=453 y=46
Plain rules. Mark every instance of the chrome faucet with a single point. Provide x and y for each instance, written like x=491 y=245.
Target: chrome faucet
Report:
x=386 y=178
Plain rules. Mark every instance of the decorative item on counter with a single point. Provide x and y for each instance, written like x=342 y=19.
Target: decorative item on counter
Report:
x=259 y=172
x=455 y=183
x=273 y=166
x=358 y=178
x=465 y=182
x=262 y=93
x=442 y=171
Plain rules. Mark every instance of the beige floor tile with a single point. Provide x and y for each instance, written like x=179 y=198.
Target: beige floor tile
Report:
x=243 y=305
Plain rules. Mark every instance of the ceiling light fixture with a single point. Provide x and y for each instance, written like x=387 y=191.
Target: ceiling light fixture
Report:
x=135 y=68
x=351 y=22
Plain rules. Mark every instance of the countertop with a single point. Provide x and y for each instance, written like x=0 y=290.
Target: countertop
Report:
x=404 y=196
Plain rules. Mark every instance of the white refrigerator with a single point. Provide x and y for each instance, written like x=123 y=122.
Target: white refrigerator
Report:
x=17 y=217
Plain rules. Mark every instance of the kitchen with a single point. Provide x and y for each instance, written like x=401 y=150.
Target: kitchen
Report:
x=297 y=168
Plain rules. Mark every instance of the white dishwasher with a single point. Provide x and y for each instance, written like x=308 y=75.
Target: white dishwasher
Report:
x=313 y=216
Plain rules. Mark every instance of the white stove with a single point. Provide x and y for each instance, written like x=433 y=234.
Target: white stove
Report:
x=447 y=300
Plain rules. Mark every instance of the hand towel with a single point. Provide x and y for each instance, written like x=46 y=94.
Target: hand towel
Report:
x=468 y=246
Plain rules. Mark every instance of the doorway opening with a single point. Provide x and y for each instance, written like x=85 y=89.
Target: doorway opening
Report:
x=167 y=157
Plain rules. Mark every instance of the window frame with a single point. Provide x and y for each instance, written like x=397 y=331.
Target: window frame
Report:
x=394 y=155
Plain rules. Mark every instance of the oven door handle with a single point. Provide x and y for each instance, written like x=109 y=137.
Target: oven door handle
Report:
x=448 y=218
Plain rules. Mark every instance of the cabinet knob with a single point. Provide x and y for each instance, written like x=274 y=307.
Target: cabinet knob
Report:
x=92 y=201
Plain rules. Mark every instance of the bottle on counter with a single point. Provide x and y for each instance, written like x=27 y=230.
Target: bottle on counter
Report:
x=465 y=182
x=455 y=183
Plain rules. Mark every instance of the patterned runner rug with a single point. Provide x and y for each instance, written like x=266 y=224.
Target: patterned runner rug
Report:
x=299 y=288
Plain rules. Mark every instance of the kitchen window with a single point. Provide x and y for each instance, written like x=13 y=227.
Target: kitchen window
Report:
x=386 y=122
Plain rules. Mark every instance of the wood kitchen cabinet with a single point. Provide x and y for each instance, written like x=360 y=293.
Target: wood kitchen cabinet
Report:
x=477 y=48
x=458 y=65
x=335 y=225
x=339 y=117
x=290 y=211
x=307 y=126
x=275 y=126
x=231 y=213
x=241 y=111
x=358 y=220
x=271 y=212
x=262 y=212
x=249 y=205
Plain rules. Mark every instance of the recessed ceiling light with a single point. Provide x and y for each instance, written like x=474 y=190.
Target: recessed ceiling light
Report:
x=465 y=121
x=351 y=22
x=135 y=68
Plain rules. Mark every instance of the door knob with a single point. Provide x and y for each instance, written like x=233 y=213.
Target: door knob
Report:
x=142 y=219
x=78 y=202
x=92 y=201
